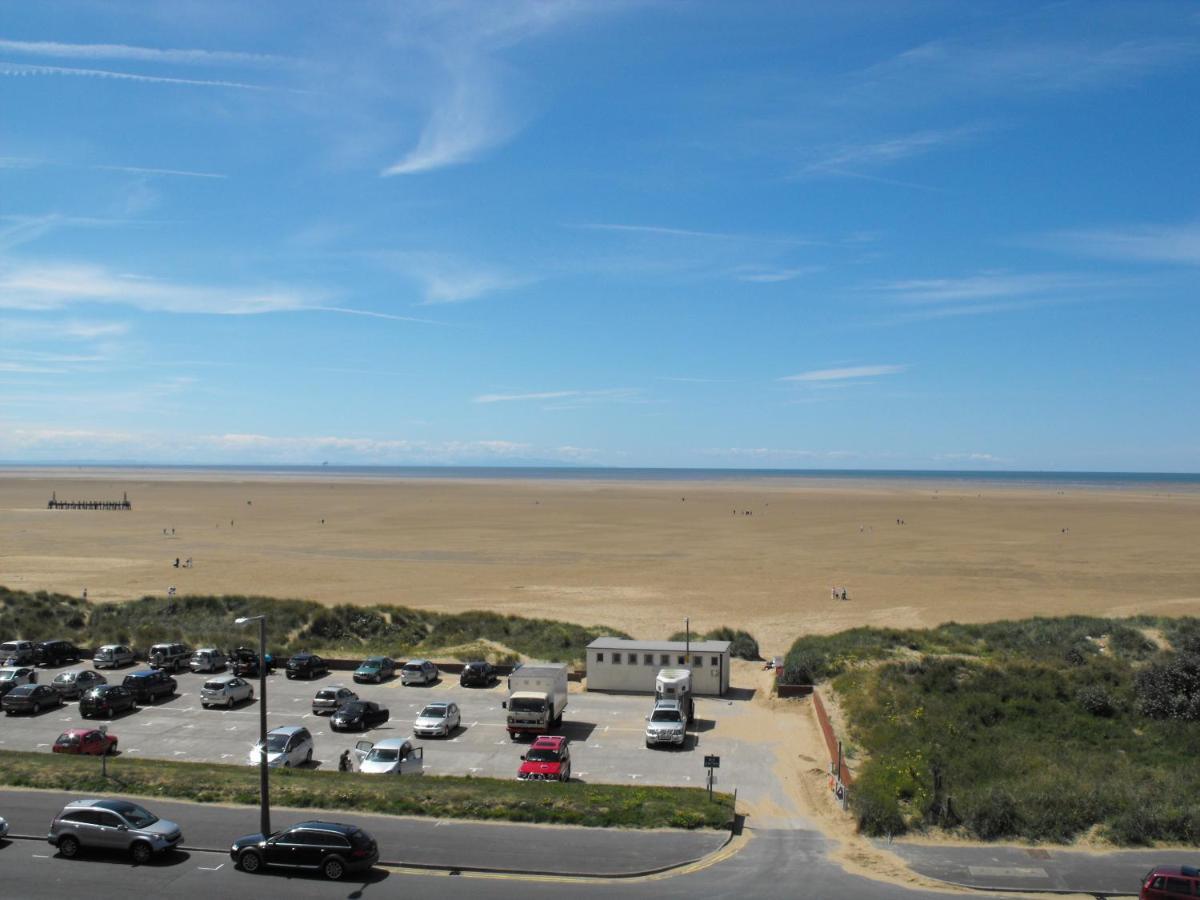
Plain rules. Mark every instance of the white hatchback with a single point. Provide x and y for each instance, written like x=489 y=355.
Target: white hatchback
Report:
x=437 y=720
x=225 y=691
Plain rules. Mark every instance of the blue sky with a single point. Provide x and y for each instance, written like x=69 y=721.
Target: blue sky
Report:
x=895 y=235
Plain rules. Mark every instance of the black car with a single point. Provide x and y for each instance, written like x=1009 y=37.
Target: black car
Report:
x=306 y=665
x=330 y=848
x=30 y=698
x=106 y=700
x=358 y=715
x=56 y=653
x=244 y=661
x=149 y=684
x=478 y=674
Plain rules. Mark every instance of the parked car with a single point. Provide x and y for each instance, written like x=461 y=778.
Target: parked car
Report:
x=391 y=756
x=359 y=715
x=478 y=674
x=113 y=656
x=330 y=848
x=548 y=759
x=437 y=720
x=30 y=698
x=15 y=676
x=17 y=653
x=207 y=659
x=55 y=653
x=244 y=662
x=418 y=671
x=106 y=700
x=148 y=685
x=327 y=700
x=375 y=668
x=666 y=724
x=306 y=665
x=112 y=825
x=289 y=746
x=76 y=682
x=87 y=741
x=1170 y=883
x=225 y=690
x=171 y=657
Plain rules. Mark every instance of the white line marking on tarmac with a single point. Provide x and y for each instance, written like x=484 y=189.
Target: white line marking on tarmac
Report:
x=180 y=752
x=632 y=775
x=40 y=746
x=211 y=868
x=133 y=750
x=40 y=856
x=226 y=756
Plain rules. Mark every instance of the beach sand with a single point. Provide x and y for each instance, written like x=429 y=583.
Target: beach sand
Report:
x=634 y=555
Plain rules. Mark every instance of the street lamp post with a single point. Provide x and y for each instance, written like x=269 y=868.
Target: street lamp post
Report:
x=264 y=784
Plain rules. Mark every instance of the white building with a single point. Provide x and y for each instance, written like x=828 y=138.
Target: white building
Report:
x=616 y=664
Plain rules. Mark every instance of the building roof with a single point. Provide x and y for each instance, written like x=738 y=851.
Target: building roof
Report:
x=612 y=643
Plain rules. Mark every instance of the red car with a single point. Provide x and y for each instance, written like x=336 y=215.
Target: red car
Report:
x=548 y=759
x=1171 y=883
x=86 y=740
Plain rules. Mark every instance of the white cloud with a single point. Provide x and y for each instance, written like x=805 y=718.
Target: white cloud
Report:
x=445 y=279
x=141 y=54
x=885 y=152
x=848 y=373
x=143 y=170
x=577 y=397
x=61 y=329
x=775 y=276
x=27 y=69
x=1177 y=244
x=988 y=286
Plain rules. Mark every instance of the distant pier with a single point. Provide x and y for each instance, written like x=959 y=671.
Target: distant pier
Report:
x=55 y=503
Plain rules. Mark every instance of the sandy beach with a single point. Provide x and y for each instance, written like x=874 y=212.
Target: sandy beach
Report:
x=762 y=555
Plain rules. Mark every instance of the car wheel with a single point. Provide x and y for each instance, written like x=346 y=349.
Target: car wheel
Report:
x=250 y=861
x=333 y=869
x=37 y=708
x=141 y=852
x=308 y=756
x=68 y=847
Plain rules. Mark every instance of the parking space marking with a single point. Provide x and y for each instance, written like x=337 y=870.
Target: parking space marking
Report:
x=211 y=868
x=40 y=746
x=40 y=856
x=226 y=756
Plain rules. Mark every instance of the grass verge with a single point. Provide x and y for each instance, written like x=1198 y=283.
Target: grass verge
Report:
x=595 y=805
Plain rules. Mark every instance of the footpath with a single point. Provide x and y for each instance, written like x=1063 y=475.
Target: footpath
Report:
x=435 y=844
x=1005 y=868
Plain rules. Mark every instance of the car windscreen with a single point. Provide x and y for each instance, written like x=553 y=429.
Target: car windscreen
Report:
x=133 y=814
x=7 y=675
x=327 y=695
x=383 y=754
x=276 y=742
x=433 y=712
x=352 y=708
x=215 y=685
x=10 y=647
x=66 y=740
x=526 y=704
x=64 y=677
x=372 y=663
x=22 y=690
x=412 y=667
x=666 y=715
x=542 y=755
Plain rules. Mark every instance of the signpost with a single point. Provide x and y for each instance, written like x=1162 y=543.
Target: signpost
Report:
x=711 y=763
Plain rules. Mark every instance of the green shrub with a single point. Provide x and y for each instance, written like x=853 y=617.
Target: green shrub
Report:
x=1170 y=689
x=1096 y=700
x=742 y=644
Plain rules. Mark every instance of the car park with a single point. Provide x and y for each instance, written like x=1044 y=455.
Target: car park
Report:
x=30 y=698
x=112 y=824
x=376 y=669
x=113 y=656
x=330 y=848
x=1170 y=883
x=106 y=700
x=86 y=741
x=548 y=759
x=391 y=756
x=244 y=661
x=418 y=671
x=359 y=715
x=327 y=700
x=437 y=720
x=148 y=685
x=478 y=674
x=17 y=653
x=207 y=659
x=171 y=657
x=225 y=690
x=55 y=653
x=287 y=747
x=306 y=665
x=15 y=676
x=76 y=682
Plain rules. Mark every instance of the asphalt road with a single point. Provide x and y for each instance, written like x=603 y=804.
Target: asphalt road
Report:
x=413 y=841
x=606 y=731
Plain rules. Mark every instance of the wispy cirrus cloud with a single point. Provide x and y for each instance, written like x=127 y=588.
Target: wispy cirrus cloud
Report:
x=20 y=70
x=447 y=279
x=988 y=286
x=146 y=170
x=673 y=232
x=776 y=276
x=849 y=159
x=592 y=396
x=1174 y=244
x=848 y=373
x=57 y=49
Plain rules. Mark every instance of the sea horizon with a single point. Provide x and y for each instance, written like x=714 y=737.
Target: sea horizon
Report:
x=1008 y=477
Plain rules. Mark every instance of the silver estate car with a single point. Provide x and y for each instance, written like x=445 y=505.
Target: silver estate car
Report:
x=113 y=656
x=327 y=700
x=225 y=690
x=418 y=671
x=77 y=682
x=112 y=824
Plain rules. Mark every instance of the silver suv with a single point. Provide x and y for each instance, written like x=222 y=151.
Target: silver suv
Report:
x=112 y=825
x=666 y=725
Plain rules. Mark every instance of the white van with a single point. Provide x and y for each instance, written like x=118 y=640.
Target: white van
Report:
x=207 y=659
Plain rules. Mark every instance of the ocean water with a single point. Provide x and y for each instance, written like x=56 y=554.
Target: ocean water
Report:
x=1166 y=481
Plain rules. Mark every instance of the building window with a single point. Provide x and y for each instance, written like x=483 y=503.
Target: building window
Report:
x=648 y=659
x=633 y=659
x=599 y=657
x=716 y=660
x=664 y=659
x=683 y=660
x=697 y=660
x=616 y=659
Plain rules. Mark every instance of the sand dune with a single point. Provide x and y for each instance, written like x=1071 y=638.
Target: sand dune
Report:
x=638 y=555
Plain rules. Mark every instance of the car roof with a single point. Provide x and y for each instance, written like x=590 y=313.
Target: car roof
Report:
x=24 y=689
x=339 y=827
x=550 y=740
x=391 y=743
x=416 y=662
x=222 y=678
x=438 y=703
x=287 y=729
x=142 y=673
x=207 y=650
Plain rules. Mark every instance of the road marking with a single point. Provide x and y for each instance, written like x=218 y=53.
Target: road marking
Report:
x=40 y=746
x=133 y=750
x=474 y=769
x=632 y=775
x=40 y=856
x=231 y=728
x=226 y=756
x=180 y=752
x=211 y=868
